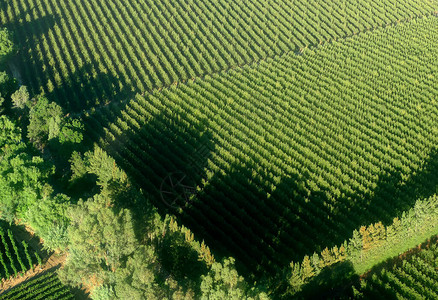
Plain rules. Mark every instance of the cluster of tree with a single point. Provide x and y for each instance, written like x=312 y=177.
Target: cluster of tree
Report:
x=106 y=253
x=372 y=244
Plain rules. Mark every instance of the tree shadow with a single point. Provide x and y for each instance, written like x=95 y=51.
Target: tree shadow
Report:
x=331 y=283
x=239 y=215
x=86 y=90
x=74 y=85
x=30 y=30
x=166 y=158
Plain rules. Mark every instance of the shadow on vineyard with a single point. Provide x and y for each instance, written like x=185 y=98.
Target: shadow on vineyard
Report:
x=30 y=30
x=332 y=283
x=167 y=159
x=85 y=89
x=264 y=230
x=396 y=195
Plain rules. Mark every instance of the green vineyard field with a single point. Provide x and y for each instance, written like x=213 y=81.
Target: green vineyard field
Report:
x=415 y=277
x=292 y=154
x=297 y=138
x=84 y=53
x=15 y=257
x=46 y=286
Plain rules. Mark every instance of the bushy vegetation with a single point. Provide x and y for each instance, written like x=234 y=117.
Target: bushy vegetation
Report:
x=371 y=244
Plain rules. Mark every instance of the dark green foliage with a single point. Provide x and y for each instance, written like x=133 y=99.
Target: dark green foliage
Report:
x=22 y=175
x=100 y=241
x=6 y=44
x=332 y=282
x=48 y=218
x=71 y=132
x=45 y=121
x=223 y=282
x=7 y=86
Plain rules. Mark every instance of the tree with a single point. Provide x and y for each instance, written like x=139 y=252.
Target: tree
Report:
x=48 y=218
x=223 y=282
x=296 y=279
x=44 y=121
x=101 y=239
x=6 y=44
x=20 y=97
x=355 y=243
x=78 y=167
x=71 y=132
x=7 y=86
x=23 y=177
x=307 y=268
x=327 y=257
x=138 y=279
x=98 y=162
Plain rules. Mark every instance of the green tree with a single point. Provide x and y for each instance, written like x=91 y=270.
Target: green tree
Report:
x=45 y=120
x=7 y=86
x=6 y=44
x=77 y=166
x=48 y=218
x=138 y=279
x=296 y=278
x=23 y=177
x=103 y=292
x=71 y=132
x=101 y=239
x=223 y=282
x=307 y=269
x=20 y=98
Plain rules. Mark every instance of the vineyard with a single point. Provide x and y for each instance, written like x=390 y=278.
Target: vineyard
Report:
x=85 y=53
x=15 y=257
x=46 y=286
x=415 y=277
x=291 y=155
x=297 y=139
